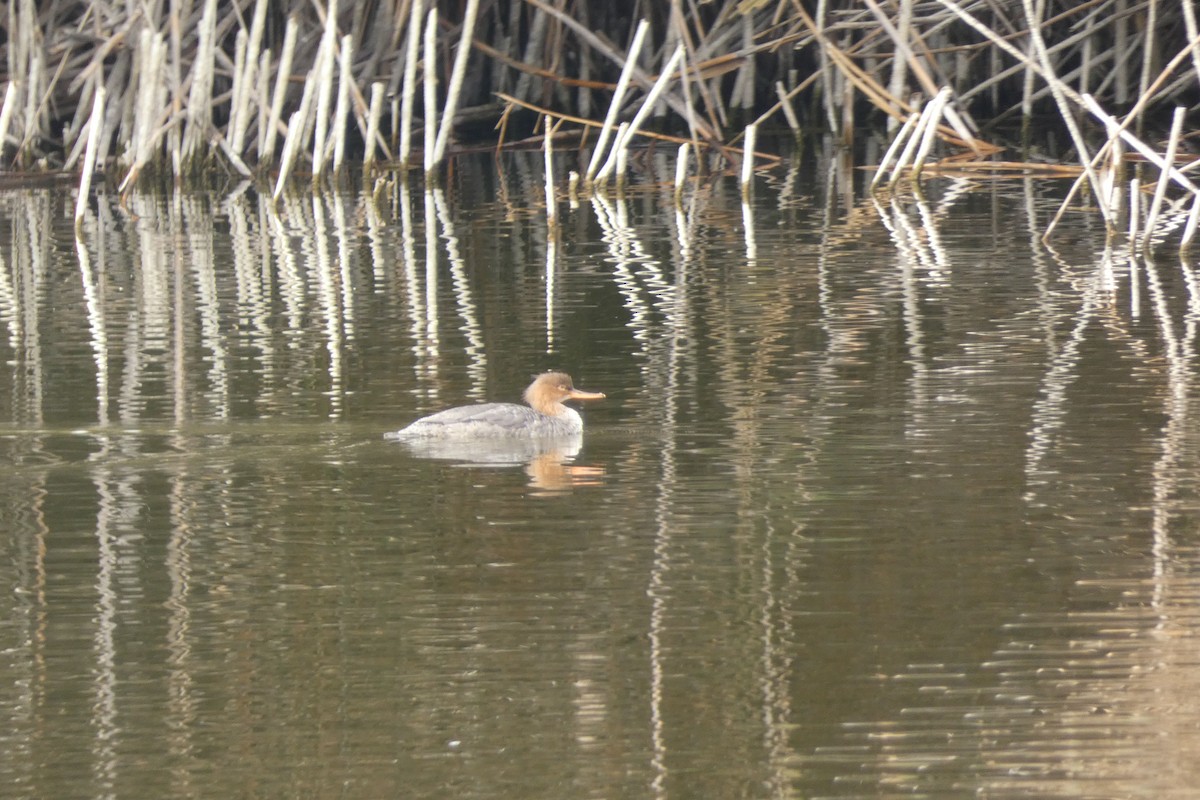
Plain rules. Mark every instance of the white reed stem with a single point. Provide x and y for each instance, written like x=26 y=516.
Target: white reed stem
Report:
x=249 y=80
x=1189 y=25
x=931 y=123
x=199 y=107
x=627 y=132
x=551 y=205
x=429 y=60
x=614 y=107
x=681 y=170
x=238 y=89
x=1034 y=20
x=914 y=141
x=342 y=111
x=622 y=153
x=751 y=139
x=1189 y=229
x=281 y=88
x=1137 y=144
x=1160 y=190
x=900 y=139
x=257 y=24
x=373 y=117
x=1148 y=49
x=291 y=145
x=1135 y=210
x=6 y=111
x=454 y=87
x=95 y=130
x=903 y=52
x=151 y=97
x=297 y=134
x=324 y=76
x=263 y=94
x=411 y=52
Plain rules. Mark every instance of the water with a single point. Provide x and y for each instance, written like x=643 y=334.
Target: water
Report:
x=884 y=499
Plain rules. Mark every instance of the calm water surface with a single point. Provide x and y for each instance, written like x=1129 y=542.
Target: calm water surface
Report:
x=885 y=499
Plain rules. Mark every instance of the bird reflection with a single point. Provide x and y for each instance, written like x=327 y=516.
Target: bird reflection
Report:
x=547 y=460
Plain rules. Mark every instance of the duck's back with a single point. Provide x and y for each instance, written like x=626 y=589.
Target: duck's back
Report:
x=491 y=420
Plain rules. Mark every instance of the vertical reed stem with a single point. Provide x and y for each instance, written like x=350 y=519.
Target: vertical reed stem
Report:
x=373 y=116
x=1135 y=210
x=411 y=52
x=324 y=76
x=342 y=111
x=430 y=62
x=551 y=205
x=199 y=107
x=6 y=111
x=681 y=170
x=95 y=131
x=748 y=160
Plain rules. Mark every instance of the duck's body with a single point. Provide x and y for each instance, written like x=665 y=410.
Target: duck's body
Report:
x=545 y=417
x=493 y=420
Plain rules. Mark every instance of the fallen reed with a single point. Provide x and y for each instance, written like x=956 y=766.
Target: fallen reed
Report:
x=277 y=91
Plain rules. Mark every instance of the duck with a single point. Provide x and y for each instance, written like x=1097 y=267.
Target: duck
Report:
x=543 y=416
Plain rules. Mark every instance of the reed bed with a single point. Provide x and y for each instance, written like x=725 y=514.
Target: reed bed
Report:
x=281 y=91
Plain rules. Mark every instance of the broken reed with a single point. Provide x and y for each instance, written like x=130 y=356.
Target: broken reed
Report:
x=260 y=88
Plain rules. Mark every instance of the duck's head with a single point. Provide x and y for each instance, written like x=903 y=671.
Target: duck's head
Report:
x=550 y=389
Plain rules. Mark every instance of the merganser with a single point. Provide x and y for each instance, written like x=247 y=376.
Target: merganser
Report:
x=546 y=415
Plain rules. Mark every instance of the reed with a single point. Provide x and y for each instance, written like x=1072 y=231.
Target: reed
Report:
x=681 y=169
x=614 y=108
x=95 y=132
x=250 y=91
x=900 y=140
x=1160 y=189
x=454 y=88
x=198 y=112
x=6 y=112
x=429 y=74
x=937 y=107
x=750 y=140
x=551 y=203
x=221 y=78
x=374 y=114
x=266 y=146
x=626 y=134
x=785 y=105
x=323 y=75
x=340 y=116
x=1189 y=228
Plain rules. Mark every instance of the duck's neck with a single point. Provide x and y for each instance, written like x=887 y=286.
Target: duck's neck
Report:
x=547 y=407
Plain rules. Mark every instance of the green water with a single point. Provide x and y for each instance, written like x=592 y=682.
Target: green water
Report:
x=885 y=499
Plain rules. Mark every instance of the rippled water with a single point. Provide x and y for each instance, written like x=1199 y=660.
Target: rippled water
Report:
x=886 y=498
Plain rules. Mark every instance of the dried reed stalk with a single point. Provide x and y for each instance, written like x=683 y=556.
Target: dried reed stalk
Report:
x=186 y=80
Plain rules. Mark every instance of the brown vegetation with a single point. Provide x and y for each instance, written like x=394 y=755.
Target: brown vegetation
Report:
x=255 y=87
